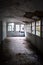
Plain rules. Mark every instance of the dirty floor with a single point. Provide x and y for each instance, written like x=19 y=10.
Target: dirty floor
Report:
x=16 y=51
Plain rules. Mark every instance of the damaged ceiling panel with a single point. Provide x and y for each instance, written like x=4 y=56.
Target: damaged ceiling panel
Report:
x=34 y=15
x=18 y=8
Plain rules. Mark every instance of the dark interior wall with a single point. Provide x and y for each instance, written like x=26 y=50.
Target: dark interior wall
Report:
x=0 y=31
x=42 y=27
x=41 y=44
x=36 y=40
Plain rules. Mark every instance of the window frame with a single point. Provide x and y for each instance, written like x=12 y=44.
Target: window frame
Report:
x=29 y=27
x=38 y=25
x=9 y=26
x=16 y=28
x=33 y=25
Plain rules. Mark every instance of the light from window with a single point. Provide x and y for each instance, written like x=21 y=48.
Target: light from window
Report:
x=33 y=27
x=29 y=28
x=17 y=28
x=38 y=28
x=22 y=27
x=10 y=26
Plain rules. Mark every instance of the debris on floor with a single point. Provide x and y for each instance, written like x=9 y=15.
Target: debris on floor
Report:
x=9 y=57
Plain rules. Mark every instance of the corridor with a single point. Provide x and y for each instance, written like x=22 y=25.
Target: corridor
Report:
x=17 y=51
x=21 y=32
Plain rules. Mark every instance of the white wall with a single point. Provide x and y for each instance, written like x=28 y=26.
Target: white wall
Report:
x=4 y=30
x=25 y=30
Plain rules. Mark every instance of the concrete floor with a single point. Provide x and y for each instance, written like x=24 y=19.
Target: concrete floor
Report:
x=16 y=51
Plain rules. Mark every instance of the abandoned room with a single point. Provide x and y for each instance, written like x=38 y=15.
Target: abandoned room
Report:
x=21 y=32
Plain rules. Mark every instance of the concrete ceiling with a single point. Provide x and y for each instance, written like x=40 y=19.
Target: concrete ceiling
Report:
x=16 y=8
